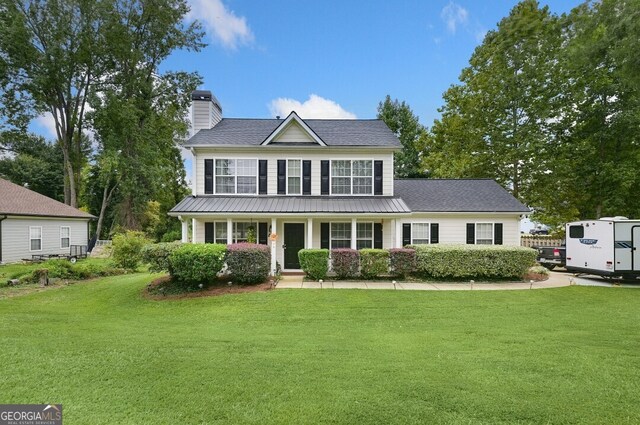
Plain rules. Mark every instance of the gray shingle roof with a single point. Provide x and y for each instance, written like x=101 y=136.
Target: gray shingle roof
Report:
x=290 y=204
x=18 y=200
x=456 y=195
x=252 y=132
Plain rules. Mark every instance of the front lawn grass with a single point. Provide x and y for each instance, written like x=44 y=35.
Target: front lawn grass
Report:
x=110 y=356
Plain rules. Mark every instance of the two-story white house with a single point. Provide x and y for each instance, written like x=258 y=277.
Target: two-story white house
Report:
x=326 y=183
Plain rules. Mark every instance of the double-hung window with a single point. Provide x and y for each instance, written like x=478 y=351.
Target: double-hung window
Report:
x=340 y=235
x=241 y=230
x=294 y=176
x=64 y=236
x=35 y=238
x=220 y=232
x=419 y=233
x=236 y=176
x=352 y=177
x=484 y=233
x=364 y=235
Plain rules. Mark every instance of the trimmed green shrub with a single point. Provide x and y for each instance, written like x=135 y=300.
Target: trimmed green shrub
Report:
x=402 y=261
x=374 y=263
x=345 y=262
x=249 y=262
x=156 y=255
x=127 y=249
x=474 y=261
x=197 y=263
x=314 y=262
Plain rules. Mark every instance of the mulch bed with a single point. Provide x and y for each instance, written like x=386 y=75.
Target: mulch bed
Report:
x=164 y=289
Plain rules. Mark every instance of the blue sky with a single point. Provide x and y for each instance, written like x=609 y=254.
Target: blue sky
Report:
x=334 y=58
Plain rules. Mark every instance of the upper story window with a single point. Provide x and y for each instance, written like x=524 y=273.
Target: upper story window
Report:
x=294 y=176
x=352 y=177
x=236 y=176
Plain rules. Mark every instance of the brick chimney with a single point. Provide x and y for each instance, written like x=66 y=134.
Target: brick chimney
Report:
x=205 y=110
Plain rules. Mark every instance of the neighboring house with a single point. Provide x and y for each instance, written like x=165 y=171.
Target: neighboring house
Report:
x=31 y=223
x=326 y=184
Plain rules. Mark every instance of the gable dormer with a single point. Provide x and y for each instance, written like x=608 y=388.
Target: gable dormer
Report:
x=293 y=130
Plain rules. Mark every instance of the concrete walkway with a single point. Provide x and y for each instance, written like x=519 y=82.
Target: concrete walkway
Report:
x=556 y=280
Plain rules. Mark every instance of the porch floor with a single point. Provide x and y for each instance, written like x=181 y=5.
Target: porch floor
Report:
x=556 y=280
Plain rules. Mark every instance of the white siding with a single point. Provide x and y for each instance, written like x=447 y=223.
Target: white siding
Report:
x=16 y=242
x=294 y=133
x=272 y=155
x=204 y=114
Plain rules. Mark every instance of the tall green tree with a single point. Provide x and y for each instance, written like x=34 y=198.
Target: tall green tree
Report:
x=495 y=122
x=51 y=57
x=405 y=124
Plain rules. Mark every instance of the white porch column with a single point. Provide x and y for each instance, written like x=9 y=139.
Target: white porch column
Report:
x=193 y=230
x=185 y=229
x=309 y=233
x=397 y=243
x=229 y=231
x=354 y=236
x=273 y=247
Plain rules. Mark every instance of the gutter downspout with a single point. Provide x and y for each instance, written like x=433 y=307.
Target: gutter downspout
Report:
x=2 y=218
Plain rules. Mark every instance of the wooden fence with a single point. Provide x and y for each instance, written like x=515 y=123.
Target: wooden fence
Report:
x=539 y=240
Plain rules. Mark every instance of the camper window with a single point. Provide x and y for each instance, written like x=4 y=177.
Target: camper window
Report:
x=576 y=232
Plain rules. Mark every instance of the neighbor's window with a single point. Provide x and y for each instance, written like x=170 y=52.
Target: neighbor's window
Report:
x=364 y=235
x=64 y=237
x=220 y=232
x=236 y=175
x=294 y=176
x=340 y=235
x=576 y=232
x=484 y=233
x=419 y=233
x=35 y=238
x=352 y=177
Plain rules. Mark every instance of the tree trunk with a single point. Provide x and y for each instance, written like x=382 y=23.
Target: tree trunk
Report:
x=106 y=199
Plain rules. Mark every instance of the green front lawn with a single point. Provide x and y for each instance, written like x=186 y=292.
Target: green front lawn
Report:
x=569 y=355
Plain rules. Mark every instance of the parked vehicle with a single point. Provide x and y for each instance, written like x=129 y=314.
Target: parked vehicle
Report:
x=539 y=230
x=604 y=247
x=76 y=252
x=552 y=256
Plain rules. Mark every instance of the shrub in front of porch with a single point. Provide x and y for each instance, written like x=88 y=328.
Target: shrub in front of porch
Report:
x=402 y=261
x=196 y=263
x=156 y=255
x=249 y=262
x=374 y=263
x=345 y=262
x=314 y=262
x=473 y=261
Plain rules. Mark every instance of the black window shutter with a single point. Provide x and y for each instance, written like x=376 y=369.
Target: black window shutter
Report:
x=324 y=177
x=377 y=177
x=435 y=233
x=282 y=177
x=324 y=235
x=262 y=233
x=377 y=235
x=406 y=234
x=306 y=177
x=208 y=233
x=208 y=176
x=262 y=177
x=497 y=234
x=471 y=233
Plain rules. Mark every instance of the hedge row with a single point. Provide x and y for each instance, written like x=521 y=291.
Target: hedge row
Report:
x=425 y=261
x=192 y=264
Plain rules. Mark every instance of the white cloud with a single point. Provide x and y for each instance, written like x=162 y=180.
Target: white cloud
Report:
x=224 y=26
x=453 y=15
x=314 y=107
x=47 y=124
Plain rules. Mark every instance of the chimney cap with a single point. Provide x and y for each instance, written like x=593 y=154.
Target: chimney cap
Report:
x=201 y=95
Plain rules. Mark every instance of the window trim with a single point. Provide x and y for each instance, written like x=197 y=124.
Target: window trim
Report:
x=68 y=237
x=40 y=239
x=493 y=232
x=215 y=228
x=351 y=177
x=331 y=223
x=286 y=176
x=235 y=176
x=428 y=223
x=371 y=223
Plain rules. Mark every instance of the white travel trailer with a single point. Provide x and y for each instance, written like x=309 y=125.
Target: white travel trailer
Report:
x=605 y=247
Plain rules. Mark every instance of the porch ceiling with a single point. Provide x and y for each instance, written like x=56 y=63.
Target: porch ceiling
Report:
x=289 y=204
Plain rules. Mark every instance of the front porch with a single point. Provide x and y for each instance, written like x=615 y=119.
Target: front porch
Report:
x=286 y=235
